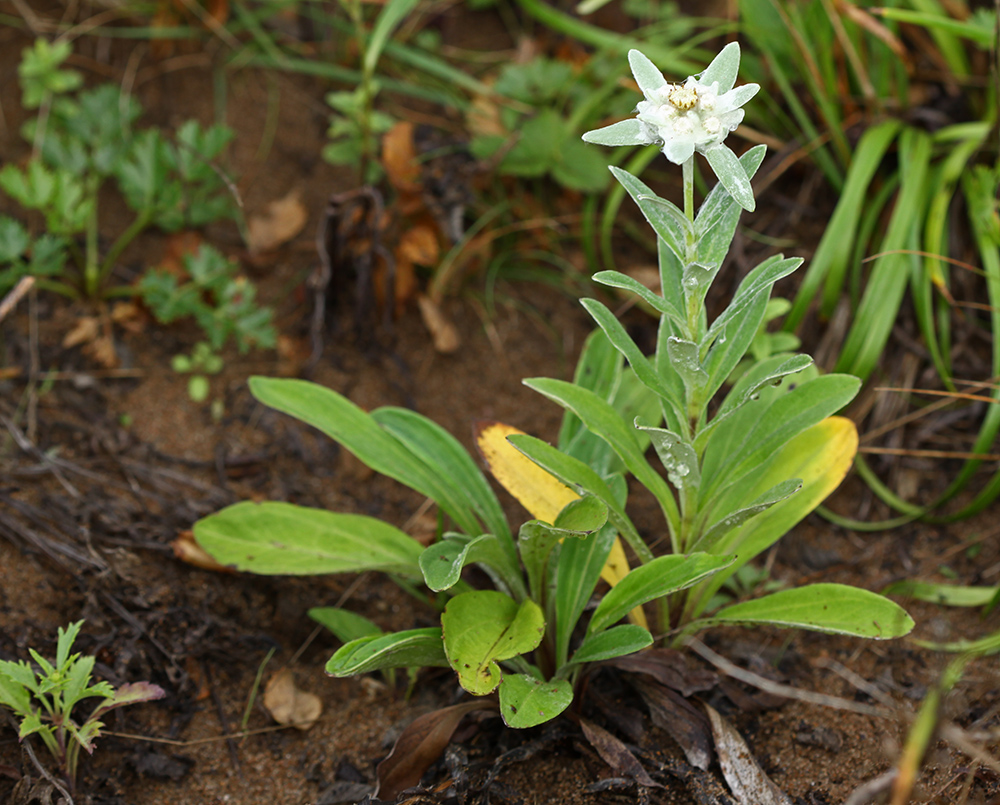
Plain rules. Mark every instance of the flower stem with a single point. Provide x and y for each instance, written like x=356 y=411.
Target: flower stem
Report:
x=688 y=172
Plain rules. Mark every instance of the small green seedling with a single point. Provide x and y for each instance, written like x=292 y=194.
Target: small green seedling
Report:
x=202 y=361
x=44 y=700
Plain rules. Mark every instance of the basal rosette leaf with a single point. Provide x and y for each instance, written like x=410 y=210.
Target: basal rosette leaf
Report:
x=484 y=627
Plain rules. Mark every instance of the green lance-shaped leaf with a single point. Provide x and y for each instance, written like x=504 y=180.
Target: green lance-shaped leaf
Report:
x=726 y=166
x=949 y=595
x=599 y=369
x=278 y=539
x=579 y=568
x=667 y=221
x=438 y=448
x=576 y=474
x=628 y=638
x=484 y=627
x=603 y=420
x=673 y=407
x=442 y=562
x=734 y=519
x=663 y=576
x=344 y=624
x=717 y=218
x=527 y=702
x=830 y=608
x=360 y=433
x=415 y=648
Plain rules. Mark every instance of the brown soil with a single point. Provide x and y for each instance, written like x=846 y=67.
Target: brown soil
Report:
x=89 y=507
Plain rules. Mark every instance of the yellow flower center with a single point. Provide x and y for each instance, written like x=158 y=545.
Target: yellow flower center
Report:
x=683 y=98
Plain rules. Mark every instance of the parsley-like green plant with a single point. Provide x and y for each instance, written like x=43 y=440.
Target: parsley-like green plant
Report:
x=44 y=697
x=738 y=469
x=83 y=140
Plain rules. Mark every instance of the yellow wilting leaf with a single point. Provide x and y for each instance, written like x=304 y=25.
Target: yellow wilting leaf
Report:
x=288 y=705
x=540 y=492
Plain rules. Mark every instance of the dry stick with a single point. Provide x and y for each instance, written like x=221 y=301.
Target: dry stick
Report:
x=16 y=295
x=28 y=447
x=778 y=689
x=218 y=738
x=47 y=774
x=34 y=365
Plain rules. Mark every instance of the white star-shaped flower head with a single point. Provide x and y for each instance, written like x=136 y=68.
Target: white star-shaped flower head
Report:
x=683 y=118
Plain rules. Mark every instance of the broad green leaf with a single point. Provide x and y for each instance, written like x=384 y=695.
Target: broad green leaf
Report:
x=949 y=595
x=628 y=638
x=358 y=432
x=439 y=449
x=14 y=239
x=734 y=519
x=274 y=539
x=579 y=568
x=728 y=461
x=484 y=627
x=410 y=649
x=663 y=576
x=820 y=458
x=442 y=562
x=604 y=421
x=580 y=167
x=344 y=624
x=535 y=542
x=527 y=702
x=830 y=608
x=583 y=515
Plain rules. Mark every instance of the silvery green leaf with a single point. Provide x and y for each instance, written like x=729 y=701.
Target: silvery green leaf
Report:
x=744 y=93
x=698 y=277
x=761 y=278
x=677 y=455
x=723 y=68
x=731 y=174
x=737 y=518
x=668 y=221
x=624 y=132
x=647 y=76
x=716 y=221
x=685 y=361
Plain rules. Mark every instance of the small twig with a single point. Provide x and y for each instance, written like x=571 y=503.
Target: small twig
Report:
x=778 y=689
x=16 y=295
x=46 y=773
x=867 y=791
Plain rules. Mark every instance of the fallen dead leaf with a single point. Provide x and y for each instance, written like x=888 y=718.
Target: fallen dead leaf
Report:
x=187 y=550
x=616 y=754
x=399 y=158
x=86 y=329
x=444 y=334
x=281 y=221
x=288 y=705
x=420 y=744
x=747 y=780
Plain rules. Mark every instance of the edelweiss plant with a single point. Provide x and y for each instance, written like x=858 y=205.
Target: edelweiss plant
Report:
x=740 y=470
x=44 y=700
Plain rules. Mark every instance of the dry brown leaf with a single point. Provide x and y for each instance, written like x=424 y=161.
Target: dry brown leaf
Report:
x=420 y=745
x=483 y=118
x=444 y=334
x=288 y=705
x=399 y=158
x=419 y=244
x=187 y=550
x=86 y=329
x=102 y=350
x=616 y=754
x=281 y=221
x=747 y=780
